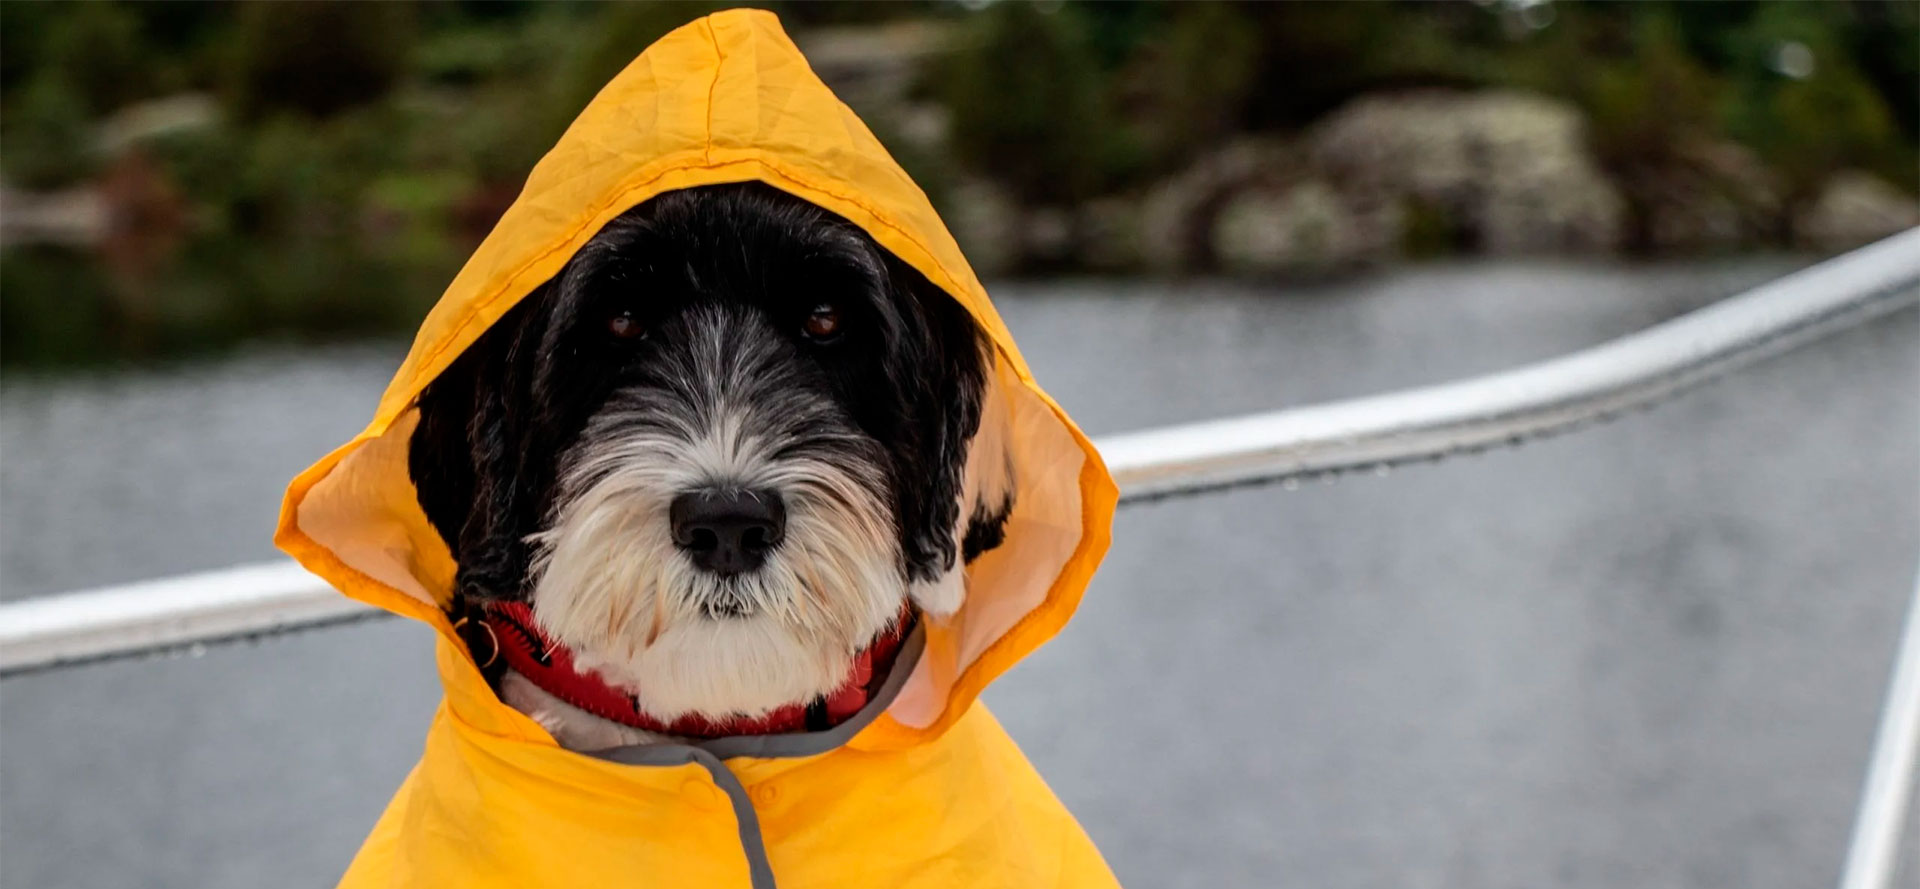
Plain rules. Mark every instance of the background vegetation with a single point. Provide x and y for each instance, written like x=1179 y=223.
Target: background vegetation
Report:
x=201 y=173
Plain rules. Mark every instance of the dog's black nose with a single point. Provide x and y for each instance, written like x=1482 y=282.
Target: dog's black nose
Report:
x=728 y=532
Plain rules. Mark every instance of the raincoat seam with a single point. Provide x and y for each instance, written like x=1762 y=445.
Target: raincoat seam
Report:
x=713 y=86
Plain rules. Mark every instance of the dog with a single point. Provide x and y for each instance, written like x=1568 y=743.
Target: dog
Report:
x=730 y=445
x=707 y=492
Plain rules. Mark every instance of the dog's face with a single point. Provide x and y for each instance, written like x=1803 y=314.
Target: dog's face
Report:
x=719 y=451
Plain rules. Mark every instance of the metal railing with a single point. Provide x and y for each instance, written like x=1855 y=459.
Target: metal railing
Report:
x=1506 y=408
x=1873 y=854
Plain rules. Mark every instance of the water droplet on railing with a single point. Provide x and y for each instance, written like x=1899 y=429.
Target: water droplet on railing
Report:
x=1290 y=483
x=199 y=649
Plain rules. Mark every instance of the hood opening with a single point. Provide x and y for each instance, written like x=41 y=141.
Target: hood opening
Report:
x=727 y=98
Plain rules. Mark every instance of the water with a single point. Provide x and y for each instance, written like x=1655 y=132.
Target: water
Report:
x=1648 y=654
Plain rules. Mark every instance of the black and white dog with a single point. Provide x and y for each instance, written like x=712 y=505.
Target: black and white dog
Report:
x=719 y=453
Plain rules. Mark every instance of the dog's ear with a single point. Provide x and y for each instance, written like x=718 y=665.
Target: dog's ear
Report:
x=960 y=492
x=438 y=456
x=464 y=461
x=988 y=490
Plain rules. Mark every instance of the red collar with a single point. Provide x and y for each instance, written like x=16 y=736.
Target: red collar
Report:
x=528 y=651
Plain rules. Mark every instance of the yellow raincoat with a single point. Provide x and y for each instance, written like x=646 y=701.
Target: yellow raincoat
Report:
x=923 y=789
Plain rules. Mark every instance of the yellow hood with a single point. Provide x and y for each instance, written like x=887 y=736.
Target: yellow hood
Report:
x=724 y=99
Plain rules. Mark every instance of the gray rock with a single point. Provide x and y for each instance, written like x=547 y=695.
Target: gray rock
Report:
x=1305 y=227
x=1511 y=170
x=1177 y=216
x=1856 y=208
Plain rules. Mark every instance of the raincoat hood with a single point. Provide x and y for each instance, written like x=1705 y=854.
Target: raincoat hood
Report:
x=727 y=98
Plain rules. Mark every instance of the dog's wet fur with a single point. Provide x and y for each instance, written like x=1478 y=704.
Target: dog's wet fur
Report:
x=727 y=345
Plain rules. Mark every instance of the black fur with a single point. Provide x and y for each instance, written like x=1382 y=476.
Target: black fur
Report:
x=908 y=371
x=986 y=528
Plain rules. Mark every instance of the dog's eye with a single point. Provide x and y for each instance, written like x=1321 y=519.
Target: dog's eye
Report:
x=624 y=325
x=823 y=323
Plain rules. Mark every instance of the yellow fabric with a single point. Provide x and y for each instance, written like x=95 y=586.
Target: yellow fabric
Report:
x=942 y=796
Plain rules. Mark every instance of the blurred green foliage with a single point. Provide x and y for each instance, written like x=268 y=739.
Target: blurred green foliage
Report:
x=1028 y=102
x=1836 y=115
x=360 y=149
x=317 y=59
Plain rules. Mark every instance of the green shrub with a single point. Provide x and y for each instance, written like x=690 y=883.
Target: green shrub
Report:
x=57 y=309
x=98 y=51
x=1195 y=80
x=317 y=58
x=46 y=137
x=1810 y=127
x=1027 y=103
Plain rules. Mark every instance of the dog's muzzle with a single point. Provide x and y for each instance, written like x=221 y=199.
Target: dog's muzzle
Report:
x=728 y=532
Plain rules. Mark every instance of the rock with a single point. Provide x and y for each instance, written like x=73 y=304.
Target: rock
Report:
x=1257 y=205
x=1307 y=227
x=1511 y=170
x=1177 y=215
x=74 y=217
x=153 y=119
x=999 y=237
x=1853 y=209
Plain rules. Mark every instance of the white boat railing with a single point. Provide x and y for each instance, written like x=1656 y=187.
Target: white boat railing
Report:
x=1506 y=408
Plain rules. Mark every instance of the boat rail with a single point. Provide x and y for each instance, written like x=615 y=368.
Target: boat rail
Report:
x=1511 y=407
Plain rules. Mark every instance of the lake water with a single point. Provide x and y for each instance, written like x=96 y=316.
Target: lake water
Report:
x=1648 y=654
